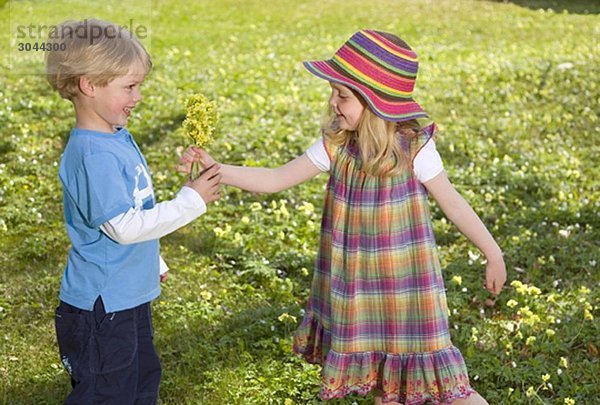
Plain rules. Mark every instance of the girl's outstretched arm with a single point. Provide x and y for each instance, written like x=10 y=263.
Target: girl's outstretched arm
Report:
x=466 y=220
x=255 y=179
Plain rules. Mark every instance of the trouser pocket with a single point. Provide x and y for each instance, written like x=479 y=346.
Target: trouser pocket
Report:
x=70 y=334
x=113 y=343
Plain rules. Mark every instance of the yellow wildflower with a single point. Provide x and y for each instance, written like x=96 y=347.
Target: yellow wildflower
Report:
x=457 y=280
x=564 y=363
x=525 y=289
x=584 y=290
x=207 y=295
x=220 y=232
x=529 y=317
x=519 y=286
x=201 y=119
x=306 y=208
x=569 y=401
x=285 y=317
x=283 y=208
x=530 y=392
x=512 y=303
x=237 y=238
x=474 y=333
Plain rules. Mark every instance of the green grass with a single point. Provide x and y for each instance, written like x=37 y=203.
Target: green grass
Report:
x=515 y=91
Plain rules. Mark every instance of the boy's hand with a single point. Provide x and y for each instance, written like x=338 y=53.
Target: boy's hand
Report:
x=194 y=154
x=164 y=276
x=207 y=184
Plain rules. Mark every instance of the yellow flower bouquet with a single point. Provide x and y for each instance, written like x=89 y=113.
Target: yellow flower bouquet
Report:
x=200 y=122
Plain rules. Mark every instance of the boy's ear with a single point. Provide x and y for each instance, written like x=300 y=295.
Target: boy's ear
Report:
x=86 y=86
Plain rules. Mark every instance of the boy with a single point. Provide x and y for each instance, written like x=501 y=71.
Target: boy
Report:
x=103 y=322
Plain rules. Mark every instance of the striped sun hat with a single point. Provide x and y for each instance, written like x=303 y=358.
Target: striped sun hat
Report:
x=381 y=67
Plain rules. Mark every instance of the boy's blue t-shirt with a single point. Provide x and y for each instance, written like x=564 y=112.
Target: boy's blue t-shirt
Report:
x=104 y=175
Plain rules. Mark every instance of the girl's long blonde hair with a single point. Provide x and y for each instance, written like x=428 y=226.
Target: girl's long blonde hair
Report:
x=378 y=141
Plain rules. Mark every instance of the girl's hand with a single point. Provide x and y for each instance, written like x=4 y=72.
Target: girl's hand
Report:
x=193 y=154
x=203 y=157
x=185 y=161
x=164 y=276
x=495 y=275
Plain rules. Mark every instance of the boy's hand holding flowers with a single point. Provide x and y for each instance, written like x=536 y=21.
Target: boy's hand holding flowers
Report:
x=207 y=184
x=200 y=123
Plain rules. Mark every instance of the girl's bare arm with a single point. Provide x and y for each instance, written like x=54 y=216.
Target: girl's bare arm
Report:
x=468 y=222
x=264 y=180
x=255 y=179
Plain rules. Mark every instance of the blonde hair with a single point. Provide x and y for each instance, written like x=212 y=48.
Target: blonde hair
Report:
x=378 y=141
x=97 y=49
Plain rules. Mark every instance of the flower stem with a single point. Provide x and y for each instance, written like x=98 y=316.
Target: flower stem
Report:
x=195 y=172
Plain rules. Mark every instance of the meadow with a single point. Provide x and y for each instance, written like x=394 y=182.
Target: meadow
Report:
x=515 y=90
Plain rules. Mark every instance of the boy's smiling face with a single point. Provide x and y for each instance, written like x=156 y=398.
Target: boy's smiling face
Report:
x=111 y=105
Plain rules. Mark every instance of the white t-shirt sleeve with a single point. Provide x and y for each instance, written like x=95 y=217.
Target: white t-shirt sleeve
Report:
x=318 y=155
x=427 y=163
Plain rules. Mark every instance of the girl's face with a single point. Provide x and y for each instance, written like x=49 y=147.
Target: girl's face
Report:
x=113 y=103
x=346 y=106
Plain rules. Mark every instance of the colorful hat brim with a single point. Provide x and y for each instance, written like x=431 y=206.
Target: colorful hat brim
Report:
x=388 y=110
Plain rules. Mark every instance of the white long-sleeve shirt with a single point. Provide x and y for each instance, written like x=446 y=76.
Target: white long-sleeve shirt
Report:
x=139 y=225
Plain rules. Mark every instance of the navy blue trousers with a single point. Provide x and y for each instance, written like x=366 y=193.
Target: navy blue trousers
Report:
x=110 y=356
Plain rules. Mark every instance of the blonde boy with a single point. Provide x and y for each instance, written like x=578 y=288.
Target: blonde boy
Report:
x=103 y=322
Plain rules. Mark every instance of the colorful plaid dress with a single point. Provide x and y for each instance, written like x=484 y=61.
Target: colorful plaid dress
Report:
x=377 y=312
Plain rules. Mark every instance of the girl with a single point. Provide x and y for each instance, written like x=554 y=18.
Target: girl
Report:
x=377 y=314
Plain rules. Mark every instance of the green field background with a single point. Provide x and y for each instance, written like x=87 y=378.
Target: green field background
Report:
x=514 y=87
